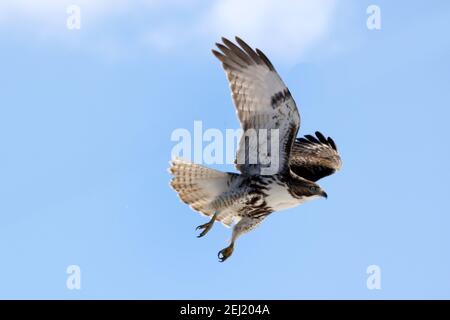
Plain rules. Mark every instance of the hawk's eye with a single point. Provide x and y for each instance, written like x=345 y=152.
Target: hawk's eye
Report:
x=313 y=188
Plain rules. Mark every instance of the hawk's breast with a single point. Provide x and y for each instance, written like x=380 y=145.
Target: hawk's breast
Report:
x=279 y=197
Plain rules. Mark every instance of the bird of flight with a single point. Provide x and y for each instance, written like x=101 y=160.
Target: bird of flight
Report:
x=263 y=104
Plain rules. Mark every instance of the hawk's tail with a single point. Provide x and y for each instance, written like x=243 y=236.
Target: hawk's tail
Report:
x=197 y=185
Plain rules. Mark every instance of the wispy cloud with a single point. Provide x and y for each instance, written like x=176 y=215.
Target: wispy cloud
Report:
x=286 y=29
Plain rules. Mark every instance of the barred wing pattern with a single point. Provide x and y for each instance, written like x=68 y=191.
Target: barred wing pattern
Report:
x=262 y=101
x=316 y=157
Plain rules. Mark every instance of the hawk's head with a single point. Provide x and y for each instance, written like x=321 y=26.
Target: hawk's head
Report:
x=302 y=188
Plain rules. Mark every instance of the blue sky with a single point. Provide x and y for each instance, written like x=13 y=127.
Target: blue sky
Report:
x=85 y=123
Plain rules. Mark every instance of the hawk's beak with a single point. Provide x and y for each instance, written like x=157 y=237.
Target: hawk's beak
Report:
x=324 y=194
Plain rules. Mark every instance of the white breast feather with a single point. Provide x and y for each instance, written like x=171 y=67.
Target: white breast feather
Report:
x=279 y=198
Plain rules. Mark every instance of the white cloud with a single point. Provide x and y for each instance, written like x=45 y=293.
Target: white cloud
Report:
x=284 y=29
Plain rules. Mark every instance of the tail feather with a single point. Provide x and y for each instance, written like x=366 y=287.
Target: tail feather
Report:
x=198 y=186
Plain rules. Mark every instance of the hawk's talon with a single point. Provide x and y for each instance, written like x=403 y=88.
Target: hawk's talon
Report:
x=224 y=254
x=206 y=227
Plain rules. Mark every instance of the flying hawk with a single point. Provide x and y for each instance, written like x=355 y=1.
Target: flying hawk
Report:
x=263 y=102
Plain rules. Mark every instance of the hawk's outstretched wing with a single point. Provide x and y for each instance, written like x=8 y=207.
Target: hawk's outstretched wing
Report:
x=316 y=157
x=262 y=101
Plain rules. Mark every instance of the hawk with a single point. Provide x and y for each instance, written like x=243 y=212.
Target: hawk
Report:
x=244 y=200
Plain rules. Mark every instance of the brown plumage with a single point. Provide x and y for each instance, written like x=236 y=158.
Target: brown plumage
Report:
x=314 y=158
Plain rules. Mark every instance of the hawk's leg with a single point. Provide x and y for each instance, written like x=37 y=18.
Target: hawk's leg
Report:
x=245 y=225
x=207 y=226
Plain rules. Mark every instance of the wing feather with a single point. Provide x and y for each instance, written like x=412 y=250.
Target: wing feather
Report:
x=263 y=103
x=315 y=157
